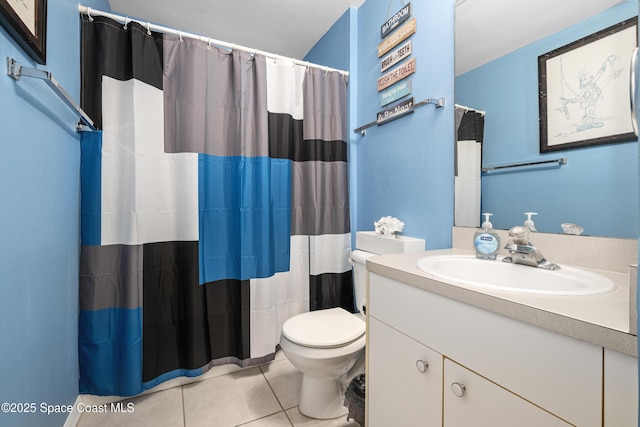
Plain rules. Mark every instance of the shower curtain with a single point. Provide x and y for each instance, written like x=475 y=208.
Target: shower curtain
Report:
x=214 y=205
x=468 y=167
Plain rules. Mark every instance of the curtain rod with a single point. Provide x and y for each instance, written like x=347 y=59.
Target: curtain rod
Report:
x=125 y=19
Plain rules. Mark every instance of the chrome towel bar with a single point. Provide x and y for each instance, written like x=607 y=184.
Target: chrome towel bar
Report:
x=560 y=161
x=439 y=103
x=15 y=71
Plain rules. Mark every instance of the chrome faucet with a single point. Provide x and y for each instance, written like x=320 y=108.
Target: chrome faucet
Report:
x=523 y=252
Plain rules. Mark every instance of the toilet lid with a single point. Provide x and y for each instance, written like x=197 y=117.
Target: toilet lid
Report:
x=333 y=327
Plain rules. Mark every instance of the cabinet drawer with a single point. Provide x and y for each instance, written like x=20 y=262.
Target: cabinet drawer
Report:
x=558 y=373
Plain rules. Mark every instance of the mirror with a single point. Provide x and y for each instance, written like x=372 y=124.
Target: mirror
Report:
x=497 y=72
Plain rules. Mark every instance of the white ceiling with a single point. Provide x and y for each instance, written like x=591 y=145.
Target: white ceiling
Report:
x=284 y=27
x=488 y=29
x=485 y=29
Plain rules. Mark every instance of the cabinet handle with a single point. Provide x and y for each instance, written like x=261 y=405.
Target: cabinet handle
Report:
x=422 y=366
x=458 y=389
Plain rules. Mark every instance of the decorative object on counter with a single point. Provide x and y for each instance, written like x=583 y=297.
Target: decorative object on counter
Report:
x=529 y=222
x=568 y=228
x=388 y=226
x=486 y=241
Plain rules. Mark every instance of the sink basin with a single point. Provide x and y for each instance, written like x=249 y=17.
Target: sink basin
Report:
x=497 y=275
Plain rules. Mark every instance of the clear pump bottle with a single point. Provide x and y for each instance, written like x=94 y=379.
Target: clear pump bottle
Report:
x=486 y=240
x=529 y=222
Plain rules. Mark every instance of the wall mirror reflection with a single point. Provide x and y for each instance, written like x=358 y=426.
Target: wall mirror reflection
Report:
x=496 y=91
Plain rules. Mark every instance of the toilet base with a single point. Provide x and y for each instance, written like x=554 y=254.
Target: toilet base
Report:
x=321 y=398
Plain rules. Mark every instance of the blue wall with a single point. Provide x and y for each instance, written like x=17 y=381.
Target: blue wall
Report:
x=403 y=168
x=596 y=189
x=39 y=221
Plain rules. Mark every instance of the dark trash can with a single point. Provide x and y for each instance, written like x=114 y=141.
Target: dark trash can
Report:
x=354 y=399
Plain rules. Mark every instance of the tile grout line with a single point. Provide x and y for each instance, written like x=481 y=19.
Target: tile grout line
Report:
x=276 y=396
x=184 y=414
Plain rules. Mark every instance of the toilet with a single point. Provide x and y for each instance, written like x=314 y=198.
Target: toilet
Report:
x=327 y=346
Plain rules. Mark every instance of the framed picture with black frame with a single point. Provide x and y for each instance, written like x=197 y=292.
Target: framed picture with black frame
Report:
x=584 y=90
x=26 y=21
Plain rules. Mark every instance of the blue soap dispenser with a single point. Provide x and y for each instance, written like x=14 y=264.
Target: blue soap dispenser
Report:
x=486 y=240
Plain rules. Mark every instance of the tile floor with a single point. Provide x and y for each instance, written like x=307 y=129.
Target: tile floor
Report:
x=264 y=396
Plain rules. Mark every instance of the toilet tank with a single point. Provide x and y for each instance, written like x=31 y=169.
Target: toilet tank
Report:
x=368 y=244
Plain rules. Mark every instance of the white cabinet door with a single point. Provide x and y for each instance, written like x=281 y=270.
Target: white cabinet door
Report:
x=472 y=400
x=404 y=380
x=620 y=390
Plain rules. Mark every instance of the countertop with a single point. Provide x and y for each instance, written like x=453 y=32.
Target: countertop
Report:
x=602 y=320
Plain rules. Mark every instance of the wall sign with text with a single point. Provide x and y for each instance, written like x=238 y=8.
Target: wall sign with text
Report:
x=395 y=53
x=398 y=18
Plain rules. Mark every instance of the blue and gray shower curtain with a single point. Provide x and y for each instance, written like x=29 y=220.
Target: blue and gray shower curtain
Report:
x=214 y=205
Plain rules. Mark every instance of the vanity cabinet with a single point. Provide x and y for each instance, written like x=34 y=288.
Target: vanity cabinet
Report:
x=513 y=372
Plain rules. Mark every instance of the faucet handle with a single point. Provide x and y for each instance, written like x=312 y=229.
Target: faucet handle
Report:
x=519 y=234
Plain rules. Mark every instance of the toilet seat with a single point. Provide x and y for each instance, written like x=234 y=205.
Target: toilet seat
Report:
x=329 y=328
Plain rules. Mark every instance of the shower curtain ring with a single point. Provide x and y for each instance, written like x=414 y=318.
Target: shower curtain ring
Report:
x=89 y=14
x=275 y=59
x=180 y=36
x=148 y=28
x=209 y=43
x=126 y=22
